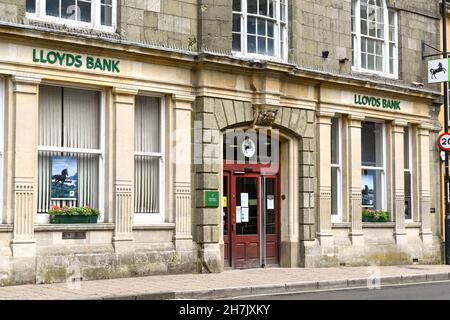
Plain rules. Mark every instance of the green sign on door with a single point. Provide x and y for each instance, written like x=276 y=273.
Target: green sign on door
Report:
x=212 y=199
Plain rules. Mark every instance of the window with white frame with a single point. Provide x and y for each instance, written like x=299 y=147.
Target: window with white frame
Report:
x=336 y=170
x=407 y=145
x=375 y=37
x=149 y=160
x=260 y=28
x=98 y=14
x=373 y=165
x=70 y=134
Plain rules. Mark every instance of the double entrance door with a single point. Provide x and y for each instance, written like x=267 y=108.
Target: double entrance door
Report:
x=250 y=219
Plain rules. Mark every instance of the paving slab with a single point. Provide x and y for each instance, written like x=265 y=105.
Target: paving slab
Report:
x=229 y=284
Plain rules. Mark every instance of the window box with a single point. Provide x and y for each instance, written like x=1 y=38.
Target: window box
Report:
x=70 y=215
x=65 y=219
x=370 y=215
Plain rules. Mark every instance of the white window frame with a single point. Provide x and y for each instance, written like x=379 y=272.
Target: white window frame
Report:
x=2 y=144
x=338 y=217
x=95 y=23
x=44 y=218
x=278 y=33
x=410 y=170
x=381 y=169
x=356 y=39
x=158 y=217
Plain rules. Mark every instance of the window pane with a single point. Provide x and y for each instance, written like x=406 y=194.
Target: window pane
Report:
x=270 y=213
x=236 y=23
x=236 y=41
x=335 y=140
x=237 y=5
x=271 y=47
x=52 y=8
x=371 y=189
x=252 y=6
x=378 y=63
x=84 y=11
x=363 y=27
x=263 y=7
x=146 y=184
x=372 y=144
x=270 y=29
x=68 y=9
x=408 y=196
x=106 y=16
x=371 y=62
x=272 y=8
x=31 y=6
x=261 y=45
x=251 y=44
x=147 y=124
x=261 y=27
x=249 y=220
x=251 y=25
x=406 y=149
x=334 y=191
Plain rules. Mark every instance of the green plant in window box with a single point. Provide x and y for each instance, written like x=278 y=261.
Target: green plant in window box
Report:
x=371 y=215
x=67 y=215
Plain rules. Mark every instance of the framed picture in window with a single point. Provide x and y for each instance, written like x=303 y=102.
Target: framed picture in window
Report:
x=64 y=184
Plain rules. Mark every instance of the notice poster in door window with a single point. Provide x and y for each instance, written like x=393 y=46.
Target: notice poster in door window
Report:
x=238 y=215
x=270 y=202
x=245 y=217
x=64 y=178
x=244 y=200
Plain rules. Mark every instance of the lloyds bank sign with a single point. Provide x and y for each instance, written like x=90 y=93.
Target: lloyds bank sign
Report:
x=377 y=102
x=77 y=61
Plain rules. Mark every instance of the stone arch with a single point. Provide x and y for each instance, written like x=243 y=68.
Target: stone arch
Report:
x=297 y=127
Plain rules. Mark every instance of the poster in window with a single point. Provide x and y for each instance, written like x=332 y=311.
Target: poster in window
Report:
x=368 y=190
x=64 y=178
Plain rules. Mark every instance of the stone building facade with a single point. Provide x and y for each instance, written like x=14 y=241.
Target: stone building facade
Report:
x=147 y=97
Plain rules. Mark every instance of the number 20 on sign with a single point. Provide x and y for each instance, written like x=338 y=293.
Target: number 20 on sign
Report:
x=444 y=141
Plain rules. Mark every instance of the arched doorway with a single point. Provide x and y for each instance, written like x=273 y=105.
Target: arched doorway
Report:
x=251 y=198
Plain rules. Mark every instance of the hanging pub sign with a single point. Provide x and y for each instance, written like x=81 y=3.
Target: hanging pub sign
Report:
x=64 y=184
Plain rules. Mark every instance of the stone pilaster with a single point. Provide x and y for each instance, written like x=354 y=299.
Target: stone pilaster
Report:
x=181 y=157
x=324 y=233
x=26 y=107
x=123 y=109
x=399 y=181
x=354 y=165
x=424 y=183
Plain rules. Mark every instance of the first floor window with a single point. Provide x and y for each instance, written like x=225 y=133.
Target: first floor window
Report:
x=149 y=157
x=70 y=148
x=374 y=37
x=260 y=27
x=83 y=13
x=373 y=165
x=336 y=169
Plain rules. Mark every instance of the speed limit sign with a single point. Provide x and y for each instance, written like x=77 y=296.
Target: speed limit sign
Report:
x=444 y=141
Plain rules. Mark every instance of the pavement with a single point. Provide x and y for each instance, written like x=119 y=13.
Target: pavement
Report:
x=230 y=284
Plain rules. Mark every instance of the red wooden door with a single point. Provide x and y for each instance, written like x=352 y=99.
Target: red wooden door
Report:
x=226 y=219
x=271 y=219
x=245 y=222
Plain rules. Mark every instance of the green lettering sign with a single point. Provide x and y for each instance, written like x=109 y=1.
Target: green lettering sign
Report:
x=73 y=60
x=377 y=102
x=212 y=199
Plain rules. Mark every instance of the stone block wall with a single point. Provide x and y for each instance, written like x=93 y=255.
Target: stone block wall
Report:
x=171 y=23
x=317 y=26
x=12 y=9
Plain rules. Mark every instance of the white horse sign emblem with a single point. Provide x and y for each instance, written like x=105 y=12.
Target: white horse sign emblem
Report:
x=438 y=71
